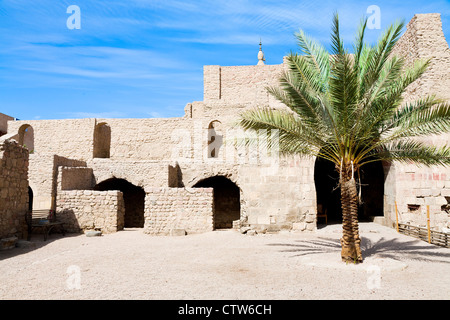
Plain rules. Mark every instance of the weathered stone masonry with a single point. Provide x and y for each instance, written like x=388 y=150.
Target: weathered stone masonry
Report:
x=13 y=189
x=186 y=210
x=83 y=210
x=168 y=159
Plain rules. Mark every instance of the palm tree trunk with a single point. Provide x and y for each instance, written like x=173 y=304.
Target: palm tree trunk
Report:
x=350 y=241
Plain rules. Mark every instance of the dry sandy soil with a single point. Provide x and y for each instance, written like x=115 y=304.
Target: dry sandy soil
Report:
x=225 y=265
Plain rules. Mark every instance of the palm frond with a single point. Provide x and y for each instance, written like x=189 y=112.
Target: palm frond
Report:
x=413 y=152
x=369 y=116
x=337 y=45
x=294 y=136
x=295 y=92
x=317 y=56
x=379 y=114
x=358 y=46
x=350 y=107
x=379 y=54
x=428 y=116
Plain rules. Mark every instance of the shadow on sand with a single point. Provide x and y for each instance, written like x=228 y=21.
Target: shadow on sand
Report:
x=36 y=242
x=384 y=248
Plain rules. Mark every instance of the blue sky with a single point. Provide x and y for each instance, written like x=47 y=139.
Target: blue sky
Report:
x=145 y=58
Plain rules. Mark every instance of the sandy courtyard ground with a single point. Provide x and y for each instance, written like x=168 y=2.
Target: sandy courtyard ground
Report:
x=225 y=265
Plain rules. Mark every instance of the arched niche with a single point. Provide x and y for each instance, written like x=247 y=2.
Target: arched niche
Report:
x=102 y=140
x=26 y=137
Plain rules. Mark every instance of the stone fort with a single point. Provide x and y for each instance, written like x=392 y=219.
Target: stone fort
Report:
x=175 y=175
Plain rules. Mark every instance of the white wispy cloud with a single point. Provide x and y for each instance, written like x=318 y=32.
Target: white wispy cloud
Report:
x=95 y=62
x=150 y=53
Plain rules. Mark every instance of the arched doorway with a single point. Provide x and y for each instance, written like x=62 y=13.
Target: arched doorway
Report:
x=30 y=199
x=328 y=193
x=372 y=191
x=134 y=200
x=227 y=204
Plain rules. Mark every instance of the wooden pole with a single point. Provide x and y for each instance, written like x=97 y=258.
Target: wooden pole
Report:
x=428 y=224
x=396 y=214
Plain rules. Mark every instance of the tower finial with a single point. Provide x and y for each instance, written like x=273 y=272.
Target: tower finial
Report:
x=261 y=57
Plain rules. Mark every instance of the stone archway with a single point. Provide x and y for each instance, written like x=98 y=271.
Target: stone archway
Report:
x=227 y=207
x=134 y=200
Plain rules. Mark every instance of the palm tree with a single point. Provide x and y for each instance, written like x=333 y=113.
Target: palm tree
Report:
x=348 y=109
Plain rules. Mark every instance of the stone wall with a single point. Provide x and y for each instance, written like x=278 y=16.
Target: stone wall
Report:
x=4 y=123
x=418 y=189
x=13 y=189
x=144 y=139
x=170 y=210
x=424 y=39
x=411 y=187
x=139 y=173
x=273 y=196
x=75 y=178
x=240 y=84
x=136 y=139
x=144 y=151
x=70 y=138
x=43 y=175
x=83 y=210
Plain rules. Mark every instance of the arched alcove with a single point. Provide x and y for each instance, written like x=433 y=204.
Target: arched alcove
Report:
x=134 y=200
x=102 y=140
x=26 y=137
x=227 y=204
x=215 y=138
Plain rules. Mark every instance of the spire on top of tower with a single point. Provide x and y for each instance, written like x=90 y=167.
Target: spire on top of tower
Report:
x=261 y=57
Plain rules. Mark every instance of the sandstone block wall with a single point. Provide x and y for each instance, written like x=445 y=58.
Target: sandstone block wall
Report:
x=66 y=138
x=83 y=210
x=143 y=151
x=75 y=178
x=272 y=196
x=424 y=39
x=139 y=173
x=43 y=177
x=416 y=189
x=13 y=189
x=240 y=84
x=144 y=139
x=171 y=209
x=136 y=139
x=289 y=195
x=4 y=123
